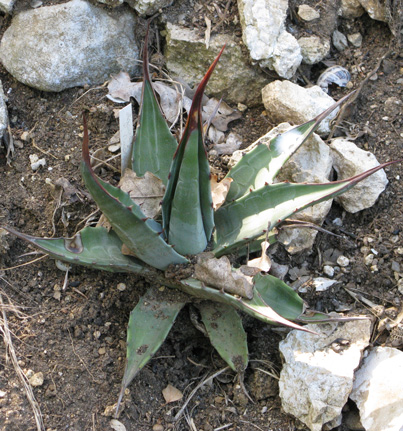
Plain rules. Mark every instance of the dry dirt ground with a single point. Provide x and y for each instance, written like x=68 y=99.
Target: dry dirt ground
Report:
x=76 y=336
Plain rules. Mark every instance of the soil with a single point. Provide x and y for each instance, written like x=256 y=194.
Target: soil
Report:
x=75 y=334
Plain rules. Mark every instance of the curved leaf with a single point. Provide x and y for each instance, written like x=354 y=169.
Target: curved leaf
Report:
x=256 y=307
x=140 y=234
x=187 y=207
x=224 y=328
x=149 y=324
x=93 y=246
x=263 y=162
x=154 y=144
x=250 y=216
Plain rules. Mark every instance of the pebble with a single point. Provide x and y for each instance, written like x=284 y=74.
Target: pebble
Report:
x=2 y=394
x=395 y=266
x=102 y=350
x=355 y=39
x=339 y=41
x=36 y=162
x=307 y=13
x=158 y=427
x=121 y=287
x=338 y=221
x=369 y=259
x=343 y=261
x=36 y=379
x=328 y=270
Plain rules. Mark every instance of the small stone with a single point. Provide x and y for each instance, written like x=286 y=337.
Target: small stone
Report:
x=307 y=13
x=121 y=287
x=395 y=266
x=2 y=394
x=355 y=39
x=321 y=284
x=241 y=107
x=399 y=250
x=339 y=41
x=102 y=350
x=36 y=379
x=36 y=162
x=338 y=221
x=158 y=427
x=328 y=270
x=368 y=259
x=343 y=261
x=25 y=136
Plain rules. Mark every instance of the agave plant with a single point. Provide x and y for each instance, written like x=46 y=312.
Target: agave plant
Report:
x=169 y=249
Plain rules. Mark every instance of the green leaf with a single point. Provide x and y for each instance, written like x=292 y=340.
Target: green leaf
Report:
x=93 y=246
x=154 y=144
x=226 y=333
x=261 y=165
x=140 y=234
x=239 y=222
x=187 y=207
x=149 y=324
x=256 y=307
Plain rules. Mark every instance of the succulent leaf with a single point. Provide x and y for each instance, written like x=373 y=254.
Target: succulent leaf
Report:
x=256 y=307
x=154 y=144
x=187 y=207
x=224 y=328
x=261 y=165
x=149 y=324
x=139 y=234
x=247 y=218
x=93 y=246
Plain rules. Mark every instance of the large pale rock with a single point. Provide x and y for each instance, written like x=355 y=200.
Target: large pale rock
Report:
x=351 y=9
x=264 y=34
x=57 y=47
x=233 y=79
x=348 y=161
x=6 y=6
x=378 y=390
x=376 y=9
x=311 y=163
x=313 y=49
x=318 y=373
x=148 y=7
x=285 y=101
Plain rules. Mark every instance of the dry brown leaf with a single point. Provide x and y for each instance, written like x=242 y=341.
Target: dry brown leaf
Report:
x=121 y=89
x=219 y=190
x=263 y=263
x=219 y=274
x=171 y=394
x=147 y=191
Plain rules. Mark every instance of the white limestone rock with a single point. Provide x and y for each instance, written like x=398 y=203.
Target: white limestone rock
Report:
x=233 y=79
x=70 y=45
x=313 y=49
x=378 y=390
x=148 y=7
x=348 y=161
x=264 y=34
x=6 y=6
x=311 y=163
x=318 y=373
x=285 y=101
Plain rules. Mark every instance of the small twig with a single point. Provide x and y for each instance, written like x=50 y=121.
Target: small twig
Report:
x=202 y=383
x=24 y=264
x=4 y=329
